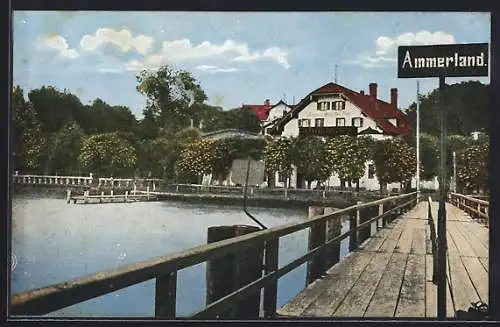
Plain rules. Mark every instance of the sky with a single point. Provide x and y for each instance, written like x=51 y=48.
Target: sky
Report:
x=239 y=58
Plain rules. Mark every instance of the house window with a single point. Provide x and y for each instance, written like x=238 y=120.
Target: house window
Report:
x=357 y=122
x=319 y=122
x=304 y=123
x=323 y=106
x=281 y=178
x=371 y=171
x=338 y=105
x=340 y=121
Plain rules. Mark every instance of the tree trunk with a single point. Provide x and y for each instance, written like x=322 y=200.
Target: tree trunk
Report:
x=342 y=184
x=357 y=185
x=349 y=182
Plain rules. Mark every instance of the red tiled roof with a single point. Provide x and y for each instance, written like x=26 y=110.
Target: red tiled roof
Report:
x=378 y=110
x=262 y=111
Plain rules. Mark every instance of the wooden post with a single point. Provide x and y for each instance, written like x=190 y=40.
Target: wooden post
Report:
x=154 y=187
x=165 y=296
x=333 y=229
x=68 y=196
x=317 y=236
x=85 y=197
x=353 y=224
x=126 y=196
x=111 y=193
x=228 y=273
x=102 y=197
x=135 y=188
x=271 y=291
x=380 y=222
x=147 y=192
x=364 y=215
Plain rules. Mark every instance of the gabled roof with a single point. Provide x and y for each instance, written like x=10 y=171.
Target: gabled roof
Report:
x=262 y=111
x=380 y=111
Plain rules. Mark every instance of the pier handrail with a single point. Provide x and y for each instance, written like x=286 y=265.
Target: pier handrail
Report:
x=164 y=268
x=476 y=208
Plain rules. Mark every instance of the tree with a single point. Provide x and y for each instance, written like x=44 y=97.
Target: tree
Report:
x=277 y=157
x=27 y=138
x=108 y=155
x=55 y=108
x=170 y=94
x=348 y=155
x=197 y=158
x=63 y=149
x=395 y=161
x=104 y=118
x=429 y=156
x=473 y=167
x=310 y=156
x=467 y=105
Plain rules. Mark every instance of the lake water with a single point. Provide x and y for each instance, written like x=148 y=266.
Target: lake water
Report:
x=54 y=242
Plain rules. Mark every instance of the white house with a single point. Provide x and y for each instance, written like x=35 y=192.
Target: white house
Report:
x=276 y=113
x=333 y=110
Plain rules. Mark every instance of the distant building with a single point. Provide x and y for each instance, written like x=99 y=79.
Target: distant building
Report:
x=334 y=110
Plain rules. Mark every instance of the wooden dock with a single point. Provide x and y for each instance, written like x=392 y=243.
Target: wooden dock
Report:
x=111 y=198
x=390 y=275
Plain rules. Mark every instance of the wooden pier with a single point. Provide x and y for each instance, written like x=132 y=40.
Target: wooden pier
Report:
x=135 y=196
x=385 y=275
x=391 y=274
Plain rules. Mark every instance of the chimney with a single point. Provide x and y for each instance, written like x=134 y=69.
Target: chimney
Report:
x=267 y=102
x=373 y=90
x=362 y=92
x=394 y=97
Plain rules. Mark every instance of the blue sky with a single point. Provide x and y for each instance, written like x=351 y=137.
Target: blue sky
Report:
x=237 y=57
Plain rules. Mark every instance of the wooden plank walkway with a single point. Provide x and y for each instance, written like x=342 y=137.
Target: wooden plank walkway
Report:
x=391 y=274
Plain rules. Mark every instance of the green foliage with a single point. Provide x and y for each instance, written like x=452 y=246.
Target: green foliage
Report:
x=108 y=155
x=277 y=156
x=63 y=149
x=170 y=93
x=199 y=157
x=467 y=105
x=395 y=161
x=473 y=165
x=429 y=156
x=310 y=156
x=27 y=137
x=347 y=156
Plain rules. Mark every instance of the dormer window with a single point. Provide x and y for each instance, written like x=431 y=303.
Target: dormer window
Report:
x=338 y=105
x=323 y=105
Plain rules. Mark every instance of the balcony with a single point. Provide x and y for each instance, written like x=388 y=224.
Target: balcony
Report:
x=328 y=131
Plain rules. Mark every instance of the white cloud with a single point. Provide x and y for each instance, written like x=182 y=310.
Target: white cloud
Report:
x=60 y=44
x=385 y=47
x=215 y=69
x=123 y=39
x=182 y=50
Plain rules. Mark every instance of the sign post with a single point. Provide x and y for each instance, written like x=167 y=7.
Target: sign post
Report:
x=452 y=60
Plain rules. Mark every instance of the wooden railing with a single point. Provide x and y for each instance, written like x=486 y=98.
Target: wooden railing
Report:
x=288 y=193
x=52 y=180
x=432 y=227
x=129 y=182
x=165 y=269
x=476 y=208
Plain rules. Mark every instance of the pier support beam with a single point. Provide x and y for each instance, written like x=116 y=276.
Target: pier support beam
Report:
x=228 y=273
x=317 y=237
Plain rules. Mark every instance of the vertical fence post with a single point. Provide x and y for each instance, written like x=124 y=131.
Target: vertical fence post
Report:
x=165 y=296
x=68 y=195
x=271 y=290
x=380 y=222
x=232 y=271
x=333 y=229
x=317 y=236
x=353 y=225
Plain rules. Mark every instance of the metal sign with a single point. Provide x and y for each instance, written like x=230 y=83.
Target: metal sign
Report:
x=450 y=60
x=239 y=172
